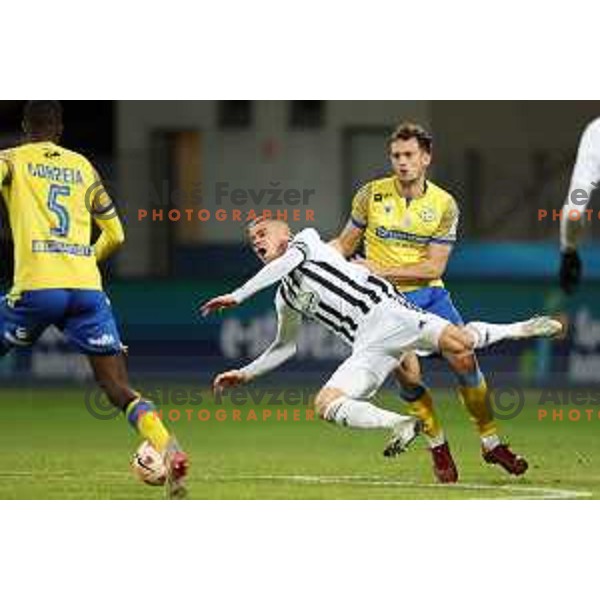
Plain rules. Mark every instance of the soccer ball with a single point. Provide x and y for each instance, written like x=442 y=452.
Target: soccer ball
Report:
x=148 y=466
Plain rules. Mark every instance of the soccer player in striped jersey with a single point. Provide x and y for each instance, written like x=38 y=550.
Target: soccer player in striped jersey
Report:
x=365 y=311
x=52 y=195
x=584 y=180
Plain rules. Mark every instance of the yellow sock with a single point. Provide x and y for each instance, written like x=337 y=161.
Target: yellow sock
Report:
x=422 y=408
x=475 y=401
x=143 y=416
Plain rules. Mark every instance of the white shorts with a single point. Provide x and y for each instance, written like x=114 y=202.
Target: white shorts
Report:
x=389 y=331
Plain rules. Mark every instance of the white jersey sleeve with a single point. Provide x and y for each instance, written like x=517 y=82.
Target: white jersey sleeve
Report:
x=270 y=274
x=585 y=178
x=284 y=345
x=308 y=242
x=302 y=246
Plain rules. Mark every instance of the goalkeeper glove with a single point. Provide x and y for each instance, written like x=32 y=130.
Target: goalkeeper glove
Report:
x=570 y=271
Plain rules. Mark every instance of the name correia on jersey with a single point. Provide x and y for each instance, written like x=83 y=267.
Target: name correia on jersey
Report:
x=58 y=174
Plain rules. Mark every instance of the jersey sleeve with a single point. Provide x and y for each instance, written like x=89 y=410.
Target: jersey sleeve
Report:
x=101 y=202
x=447 y=229
x=5 y=168
x=360 y=206
x=271 y=273
x=586 y=172
x=106 y=217
x=585 y=178
x=306 y=241
x=284 y=345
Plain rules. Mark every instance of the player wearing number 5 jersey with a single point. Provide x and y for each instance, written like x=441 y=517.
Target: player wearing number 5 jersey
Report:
x=52 y=194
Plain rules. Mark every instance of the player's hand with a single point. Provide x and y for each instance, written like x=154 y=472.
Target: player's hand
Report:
x=218 y=303
x=570 y=271
x=228 y=379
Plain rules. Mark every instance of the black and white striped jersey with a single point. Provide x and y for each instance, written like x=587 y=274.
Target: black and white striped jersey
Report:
x=329 y=289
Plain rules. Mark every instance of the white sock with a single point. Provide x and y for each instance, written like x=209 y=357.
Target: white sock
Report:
x=433 y=441
x=486 y=334
x=361 y=414
x=490 y=442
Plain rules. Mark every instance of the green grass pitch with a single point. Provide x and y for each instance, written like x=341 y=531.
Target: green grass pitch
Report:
x=51 y=448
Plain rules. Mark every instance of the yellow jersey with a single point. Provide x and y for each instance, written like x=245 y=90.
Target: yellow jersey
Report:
x=397 y=230
x=49 y=192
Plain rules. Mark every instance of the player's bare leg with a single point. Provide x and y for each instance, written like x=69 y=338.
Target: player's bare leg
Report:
x=474 y=394
x=417 y=395
x=333 y=405
x=110 y=373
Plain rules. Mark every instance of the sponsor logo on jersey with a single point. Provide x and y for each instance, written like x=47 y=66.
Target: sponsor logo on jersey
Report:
x=21 y=333
x=106 y=339
x=54 y=247
x=397 y=235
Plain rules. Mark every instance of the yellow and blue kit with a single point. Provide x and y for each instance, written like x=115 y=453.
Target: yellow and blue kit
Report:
x=398 y=231
x=52 y=194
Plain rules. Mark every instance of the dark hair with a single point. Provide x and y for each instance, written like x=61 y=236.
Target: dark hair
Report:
x=42 y=116
x=408 y=131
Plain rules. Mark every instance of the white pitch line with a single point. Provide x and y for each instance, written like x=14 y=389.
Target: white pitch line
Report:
x=521 y=492
x=515 y=492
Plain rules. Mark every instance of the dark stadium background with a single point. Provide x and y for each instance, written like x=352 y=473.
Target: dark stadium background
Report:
x=502 y=160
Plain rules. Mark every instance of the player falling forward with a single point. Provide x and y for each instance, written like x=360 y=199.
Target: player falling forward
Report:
x=585 y=179
x=364 y=310
x=52 y=194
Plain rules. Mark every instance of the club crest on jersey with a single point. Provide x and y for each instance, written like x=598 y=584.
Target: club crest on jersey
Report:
x=427 y=215
x=307 y=302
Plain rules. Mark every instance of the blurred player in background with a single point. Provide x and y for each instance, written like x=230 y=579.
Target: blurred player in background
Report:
x=585 y=179
x=366 y=312
x=52 y=194
x=408 y=226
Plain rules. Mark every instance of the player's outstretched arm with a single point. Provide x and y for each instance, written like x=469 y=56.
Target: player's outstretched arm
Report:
x=228 y=379
x=282 y=349
x=218 y=303
x=271 y=273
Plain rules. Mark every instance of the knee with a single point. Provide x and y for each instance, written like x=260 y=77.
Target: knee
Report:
x=464 y=362
x=454 y=341
x=324 y=399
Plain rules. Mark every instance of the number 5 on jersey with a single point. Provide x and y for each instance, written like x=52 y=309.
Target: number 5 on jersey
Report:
x=58 y=209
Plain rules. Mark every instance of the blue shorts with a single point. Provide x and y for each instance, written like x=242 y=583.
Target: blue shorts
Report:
x=437 y=301
x=84 y=316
